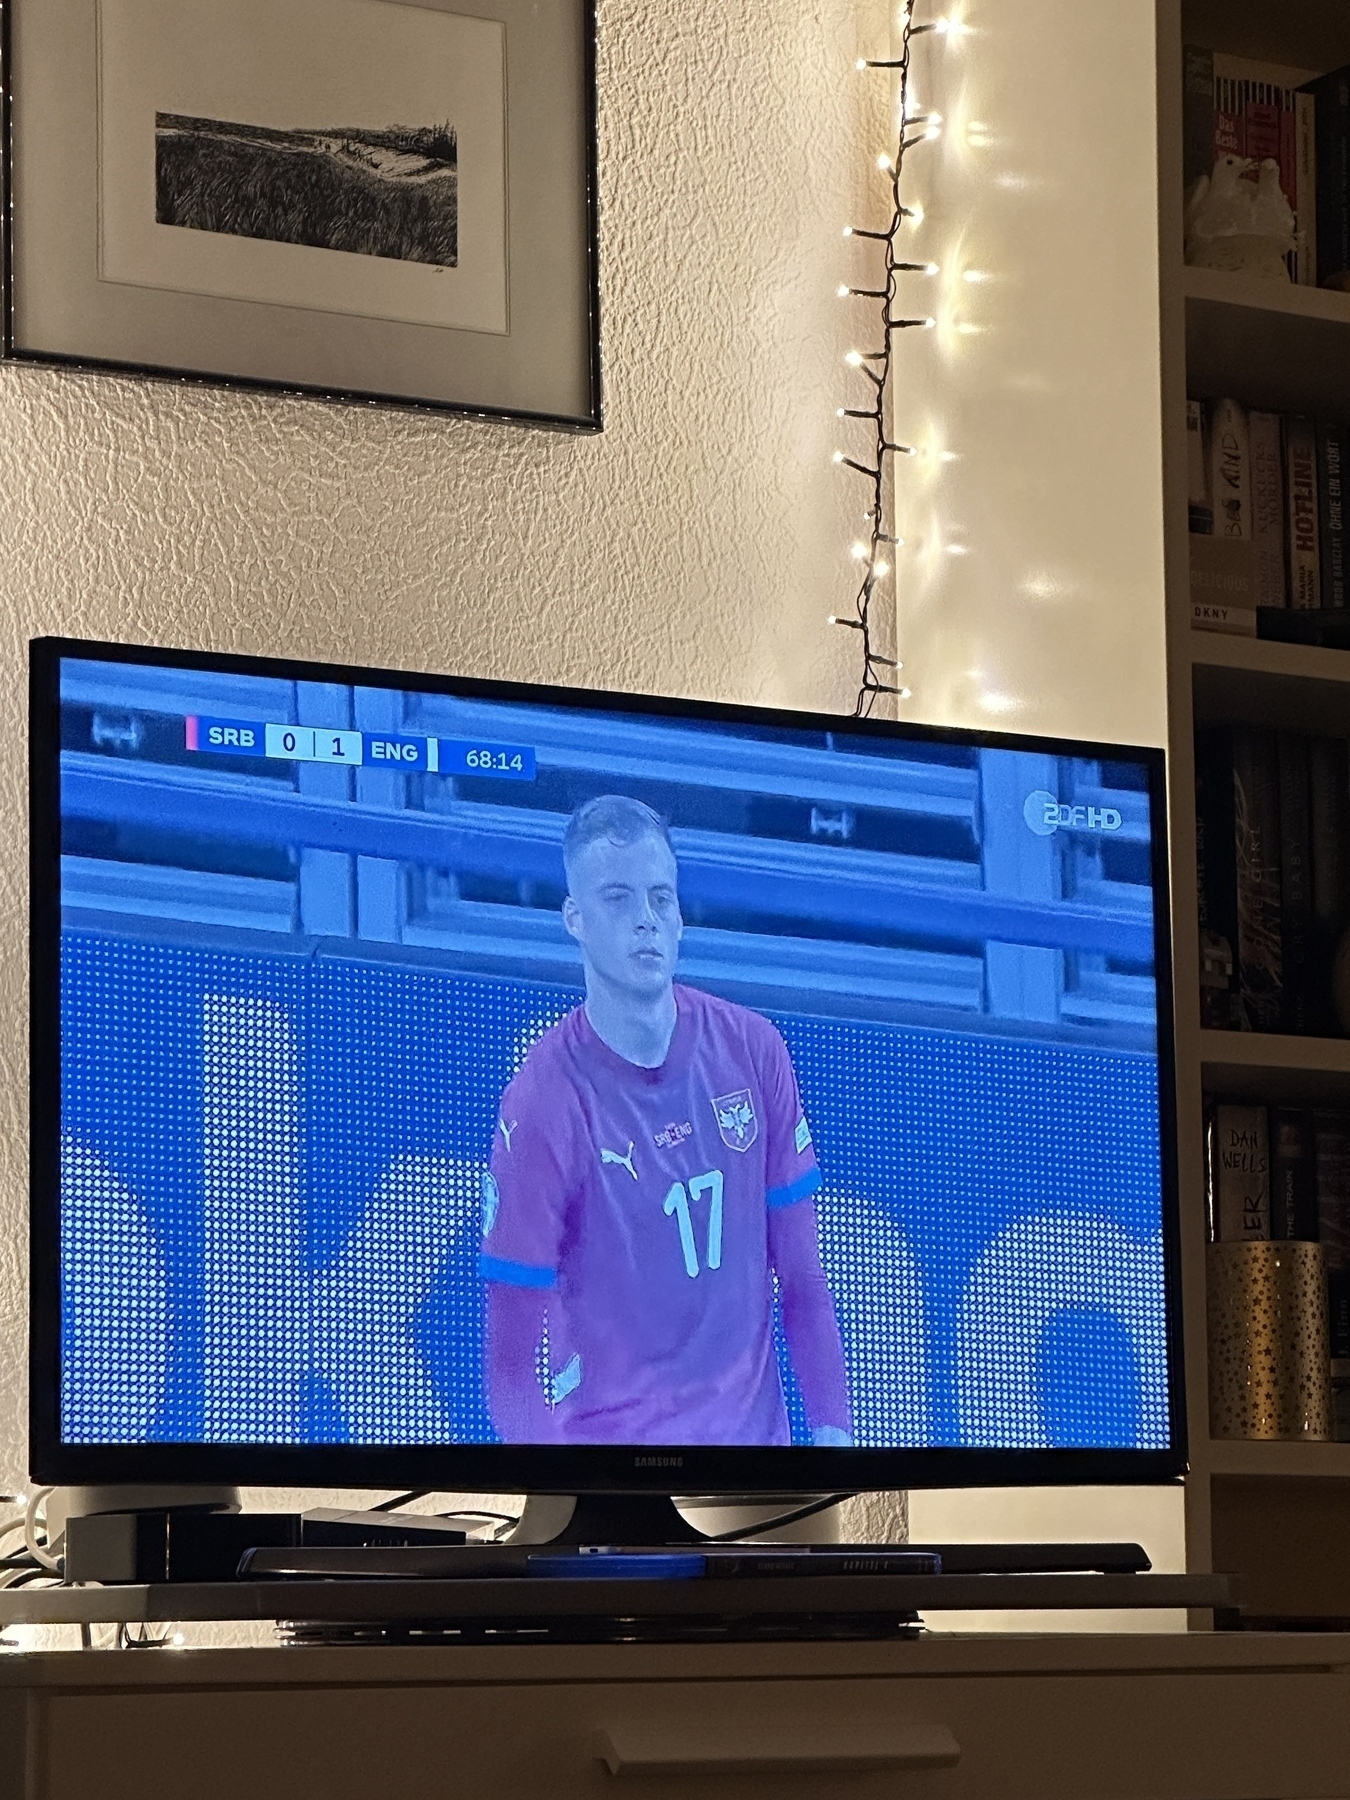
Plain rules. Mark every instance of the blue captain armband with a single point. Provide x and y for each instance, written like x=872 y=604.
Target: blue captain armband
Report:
x=516 y=1274
x=800 y=1189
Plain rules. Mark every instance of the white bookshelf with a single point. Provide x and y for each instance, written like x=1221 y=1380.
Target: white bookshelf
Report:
x=1275 y=304
x=1264 y=656
x=1275 y=1513
x=1302 y=1462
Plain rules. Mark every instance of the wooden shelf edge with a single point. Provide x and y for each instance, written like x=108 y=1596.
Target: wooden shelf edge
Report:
x=1283 y=1461
x=1268 y=1050
x=1266 y=656
x=1277 y=299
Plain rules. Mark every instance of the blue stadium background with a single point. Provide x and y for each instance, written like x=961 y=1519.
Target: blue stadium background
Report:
x=281 y=1064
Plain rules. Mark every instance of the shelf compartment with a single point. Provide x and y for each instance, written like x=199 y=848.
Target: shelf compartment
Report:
x=1227 y=1456
x=1269 y=344
x=1290 y=687
x=1312 y=34
x=1261 y=1065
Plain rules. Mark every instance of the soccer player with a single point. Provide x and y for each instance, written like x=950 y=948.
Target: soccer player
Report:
x=651 y=1172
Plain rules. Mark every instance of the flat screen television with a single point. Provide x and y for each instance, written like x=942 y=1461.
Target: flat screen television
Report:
x=474 y=1086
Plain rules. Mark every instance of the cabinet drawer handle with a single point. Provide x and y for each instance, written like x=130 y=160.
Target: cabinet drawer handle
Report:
x=670 y=1747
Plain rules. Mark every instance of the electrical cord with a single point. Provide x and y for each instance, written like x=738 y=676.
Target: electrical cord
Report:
x=26 y=1576
x=143 y=1640
x=398 y=1501
x=788 y=1518
x=38 y=1551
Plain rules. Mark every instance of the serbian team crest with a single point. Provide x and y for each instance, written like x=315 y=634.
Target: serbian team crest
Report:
x=736 y=1119
x=492 y=1199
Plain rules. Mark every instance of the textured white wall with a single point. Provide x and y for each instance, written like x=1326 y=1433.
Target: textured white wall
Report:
x=694 y=547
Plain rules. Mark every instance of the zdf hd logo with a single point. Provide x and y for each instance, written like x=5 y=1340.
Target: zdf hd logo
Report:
x=1045 y=815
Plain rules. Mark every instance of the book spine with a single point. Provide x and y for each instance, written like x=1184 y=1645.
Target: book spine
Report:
x=1288 y=157
x=1331 y=1136
x=1300 y=461
x=1197 y=117
x=1230 y=136
x=1265 y=439
x=1293 y=1175
x=1256 y=836
x=1201 y=513
x=1230 y=481
x=1331 y=100
x=1296 y=917
x=1305 y=206
x=1261 y=123
x=1331 y=511
x=1216 y=878
x=1329 y=835
x=1240 y=1174
x=1289 y=175
x=1237 y=621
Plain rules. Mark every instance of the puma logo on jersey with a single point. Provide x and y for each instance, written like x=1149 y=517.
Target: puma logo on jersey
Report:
x=622 y=1162
x=506 y=1129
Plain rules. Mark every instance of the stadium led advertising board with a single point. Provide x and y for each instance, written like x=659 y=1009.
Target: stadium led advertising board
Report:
x=449 y=1083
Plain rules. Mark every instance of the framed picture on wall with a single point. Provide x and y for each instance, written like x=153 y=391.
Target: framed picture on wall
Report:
x=378 y=200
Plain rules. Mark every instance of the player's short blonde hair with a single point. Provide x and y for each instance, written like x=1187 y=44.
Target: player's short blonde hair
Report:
x=612 y=819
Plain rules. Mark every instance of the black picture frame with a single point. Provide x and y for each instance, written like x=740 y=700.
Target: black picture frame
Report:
x=71 y=300
x=506 y=1468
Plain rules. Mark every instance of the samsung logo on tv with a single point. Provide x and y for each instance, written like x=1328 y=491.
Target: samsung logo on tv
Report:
x=658 y=1462
x=1045 y=816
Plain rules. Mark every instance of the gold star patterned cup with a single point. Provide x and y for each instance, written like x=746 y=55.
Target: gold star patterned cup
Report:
x=1269 y=1346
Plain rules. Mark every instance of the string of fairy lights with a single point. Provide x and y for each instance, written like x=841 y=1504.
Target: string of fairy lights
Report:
x=877 y=549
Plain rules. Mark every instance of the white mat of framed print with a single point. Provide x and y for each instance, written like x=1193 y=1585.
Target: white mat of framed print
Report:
x=352 y=196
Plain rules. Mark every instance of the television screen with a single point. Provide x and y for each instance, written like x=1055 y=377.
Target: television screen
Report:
x=440 y=1065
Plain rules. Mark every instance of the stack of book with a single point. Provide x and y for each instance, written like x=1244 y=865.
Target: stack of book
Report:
x=1283 y=1173
x=1268 y=523
x=1273 y=866
x=1266 y=112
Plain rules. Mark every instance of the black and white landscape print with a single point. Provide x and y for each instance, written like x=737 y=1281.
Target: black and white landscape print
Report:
x=392 y=192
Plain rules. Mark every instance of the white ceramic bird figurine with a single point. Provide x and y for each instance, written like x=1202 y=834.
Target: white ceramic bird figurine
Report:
x=1224 y=209
x=1272 y=215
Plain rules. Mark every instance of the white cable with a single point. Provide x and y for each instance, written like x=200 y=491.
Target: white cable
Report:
x=38 y=1551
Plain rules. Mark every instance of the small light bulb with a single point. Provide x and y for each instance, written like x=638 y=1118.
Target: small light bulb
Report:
x=861 y=63
x=843 y=290
x=838 y=456
x=905 y=694
x=881 y=568
x=932 y=268
x=848 y=231
x=942 y=26
x=854 y=359
x=929 y=324
x=884 y=162
x=916 y=215
x=859 y=552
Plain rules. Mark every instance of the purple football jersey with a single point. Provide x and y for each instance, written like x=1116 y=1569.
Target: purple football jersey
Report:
x=639 y=1199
